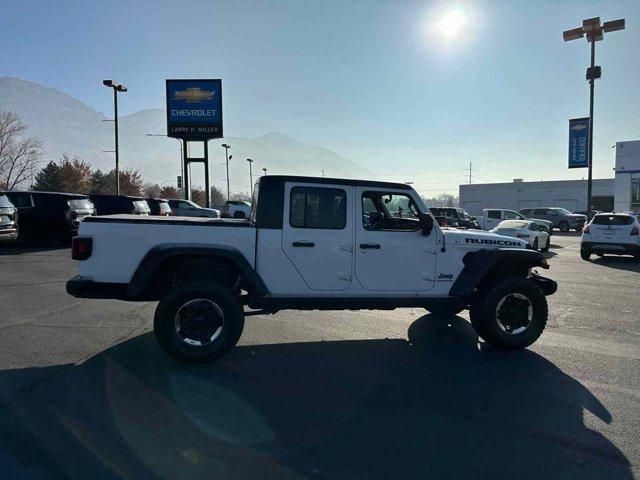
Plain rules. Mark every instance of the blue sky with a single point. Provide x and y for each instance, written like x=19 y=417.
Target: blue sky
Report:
x=372 y=80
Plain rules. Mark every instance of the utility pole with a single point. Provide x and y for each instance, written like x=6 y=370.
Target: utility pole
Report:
x=116 y=88
x=594 y=31
x=226 y=147
x=250 y=176
x=470 y=169
x=322 y=172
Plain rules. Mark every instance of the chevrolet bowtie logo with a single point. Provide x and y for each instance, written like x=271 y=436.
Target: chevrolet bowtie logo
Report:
x=193 y=95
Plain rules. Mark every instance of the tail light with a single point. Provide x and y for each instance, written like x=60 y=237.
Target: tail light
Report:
x=635 y=231
x=81 y=248
x=585 y=229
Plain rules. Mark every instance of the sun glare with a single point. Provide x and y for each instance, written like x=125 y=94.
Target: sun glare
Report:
x=451 y=23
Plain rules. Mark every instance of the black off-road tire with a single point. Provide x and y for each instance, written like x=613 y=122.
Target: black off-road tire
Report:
x=168 y=307
x=585 y=254
x=564 y=226
x=484 y=316
x=546 y=247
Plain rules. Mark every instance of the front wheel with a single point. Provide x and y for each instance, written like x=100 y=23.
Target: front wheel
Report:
x=198 y=322
x=513 y=314
x=585 y=254
x=564 y=227
x=535 y=243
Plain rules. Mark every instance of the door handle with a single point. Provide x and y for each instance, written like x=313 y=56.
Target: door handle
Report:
x=374 y=246
x=303 y=244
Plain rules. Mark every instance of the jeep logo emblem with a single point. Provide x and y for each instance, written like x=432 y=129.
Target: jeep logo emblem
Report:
x=487 y=241
x=445 y=276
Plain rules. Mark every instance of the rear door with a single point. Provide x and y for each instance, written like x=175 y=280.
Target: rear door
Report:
x=492 y=219
x=317 y=234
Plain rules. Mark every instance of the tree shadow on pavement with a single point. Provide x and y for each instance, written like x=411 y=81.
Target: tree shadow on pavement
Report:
x=440 y=405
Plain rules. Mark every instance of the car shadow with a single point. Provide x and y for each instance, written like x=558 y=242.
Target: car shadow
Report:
x=21 y=248
x=440 y=405
x=616 y=261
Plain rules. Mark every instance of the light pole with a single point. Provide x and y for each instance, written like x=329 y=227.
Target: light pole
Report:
x=226 y=147
x=594 y=31
x=116 y=88
x=265 y=171
x=181 y=151
x=250 y=176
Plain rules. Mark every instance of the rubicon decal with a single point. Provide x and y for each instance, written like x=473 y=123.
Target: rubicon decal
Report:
x=488 y=241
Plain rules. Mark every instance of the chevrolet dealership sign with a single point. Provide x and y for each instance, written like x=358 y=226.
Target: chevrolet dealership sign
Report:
x=194 y=109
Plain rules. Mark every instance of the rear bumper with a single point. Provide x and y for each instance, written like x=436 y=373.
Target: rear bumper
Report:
x=85 y=288
x=610 y=247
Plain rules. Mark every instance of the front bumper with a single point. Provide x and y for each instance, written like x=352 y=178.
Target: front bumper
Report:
x=8 y=233
x=548 y=286
x=85 y=288
x=611 y=247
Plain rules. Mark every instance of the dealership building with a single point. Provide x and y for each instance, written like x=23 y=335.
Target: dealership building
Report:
x=621 y=193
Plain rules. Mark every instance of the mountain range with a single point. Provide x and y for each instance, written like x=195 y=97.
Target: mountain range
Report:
x=69 y=126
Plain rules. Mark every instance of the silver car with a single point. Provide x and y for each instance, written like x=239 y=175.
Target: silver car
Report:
x=8 y=219
x=187 y=208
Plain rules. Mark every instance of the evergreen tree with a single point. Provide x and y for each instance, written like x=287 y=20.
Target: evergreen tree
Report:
x=48 y=179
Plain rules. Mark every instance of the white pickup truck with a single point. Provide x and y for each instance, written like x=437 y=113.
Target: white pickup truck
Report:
x=311 y=243
x=491 y=217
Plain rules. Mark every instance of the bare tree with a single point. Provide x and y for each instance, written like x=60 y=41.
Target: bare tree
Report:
x=18 y=153
x=151 y=190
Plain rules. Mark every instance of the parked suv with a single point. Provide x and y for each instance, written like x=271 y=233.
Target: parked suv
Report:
x=187 y=208
x=612 y=233
x=561 y=217
x=238 y=209
x=114 y=204
x=50 y=215
x=8 y=219
x=454 y=217
x=159 y=206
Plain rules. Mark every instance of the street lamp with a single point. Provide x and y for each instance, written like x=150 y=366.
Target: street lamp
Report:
x=594 y=32
x=116 y=88
x=226 y=147
x=181 y=151
x=265 y=171
x=250 y=176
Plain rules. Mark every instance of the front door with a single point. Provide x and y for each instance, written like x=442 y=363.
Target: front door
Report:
x=317 y=234
x=391 y=254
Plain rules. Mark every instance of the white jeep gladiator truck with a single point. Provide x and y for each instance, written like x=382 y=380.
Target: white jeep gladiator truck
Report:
x=311 y=243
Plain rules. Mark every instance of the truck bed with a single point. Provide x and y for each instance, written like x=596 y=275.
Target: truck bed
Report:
x=120 y=242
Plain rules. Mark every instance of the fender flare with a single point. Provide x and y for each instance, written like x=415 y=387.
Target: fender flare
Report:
x=480 y=264
x=153 y=260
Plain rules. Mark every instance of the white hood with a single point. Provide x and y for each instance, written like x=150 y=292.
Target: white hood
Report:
x=479 y=239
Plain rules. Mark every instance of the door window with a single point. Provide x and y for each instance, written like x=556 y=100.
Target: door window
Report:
x=540 y=211
x=494 y=214
x=22 y=200
x=510 y=215
x=320 y=208
x=383 y=211
x=534 y=227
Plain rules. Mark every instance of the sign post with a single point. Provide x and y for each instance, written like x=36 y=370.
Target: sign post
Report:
x=194 y=114
x=579 y=143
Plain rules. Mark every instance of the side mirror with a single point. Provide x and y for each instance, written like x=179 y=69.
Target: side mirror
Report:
x=426 y=221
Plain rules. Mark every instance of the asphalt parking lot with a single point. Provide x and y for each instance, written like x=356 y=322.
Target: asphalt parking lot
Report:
x=86 y=393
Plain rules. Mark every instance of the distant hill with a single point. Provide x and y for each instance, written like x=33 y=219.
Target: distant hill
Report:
x=69 y=126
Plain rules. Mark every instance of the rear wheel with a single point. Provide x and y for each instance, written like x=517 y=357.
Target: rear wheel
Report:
x=535 y=243
x=546 y=245
x=513 y=314
x=198 y=321
x=564 y=226
x=585 y=254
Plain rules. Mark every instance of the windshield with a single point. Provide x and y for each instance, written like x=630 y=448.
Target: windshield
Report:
x=80 y=204
x=141 y=206
x=4 y=202
x=563 y=211
x=511 y=224
x=612 y=220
